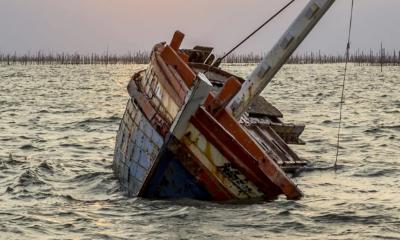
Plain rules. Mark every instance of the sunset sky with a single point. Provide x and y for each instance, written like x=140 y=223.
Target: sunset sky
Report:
x=128 y=25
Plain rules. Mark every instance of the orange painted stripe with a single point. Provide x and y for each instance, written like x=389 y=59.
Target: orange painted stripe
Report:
x=216 y=104
x=266 y=164
x=234 y=152
x=172 y=58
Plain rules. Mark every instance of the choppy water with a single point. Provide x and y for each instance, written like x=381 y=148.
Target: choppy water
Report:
x=57 y=131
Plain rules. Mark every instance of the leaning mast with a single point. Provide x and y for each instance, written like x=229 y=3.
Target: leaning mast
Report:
x=278 y=56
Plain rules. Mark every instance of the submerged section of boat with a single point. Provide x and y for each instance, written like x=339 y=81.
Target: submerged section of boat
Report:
x=179 y=139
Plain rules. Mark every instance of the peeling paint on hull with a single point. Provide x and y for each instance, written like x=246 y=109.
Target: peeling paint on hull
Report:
x=178 y=139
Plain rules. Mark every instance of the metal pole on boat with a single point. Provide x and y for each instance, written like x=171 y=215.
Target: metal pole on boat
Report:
x=279 y=54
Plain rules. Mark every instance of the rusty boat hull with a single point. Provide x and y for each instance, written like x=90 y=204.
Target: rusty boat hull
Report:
x=178 y=138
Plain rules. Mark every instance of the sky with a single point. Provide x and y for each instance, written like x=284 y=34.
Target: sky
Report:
x=123 y=26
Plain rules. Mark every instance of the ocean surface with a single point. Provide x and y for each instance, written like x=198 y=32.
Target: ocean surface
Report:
x=57 y=132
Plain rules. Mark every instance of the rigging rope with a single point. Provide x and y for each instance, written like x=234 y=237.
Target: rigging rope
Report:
x=344 y=83
x=219 y=60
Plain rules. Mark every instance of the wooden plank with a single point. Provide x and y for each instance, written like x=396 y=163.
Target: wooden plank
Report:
x=234 y=152
x=166 y=78
x=195 y=98
x=261 y=107
x=264 y=162
x=229 y=90
x=177 y=40
x=172 y=58
x=283 y=147
x=219 y=166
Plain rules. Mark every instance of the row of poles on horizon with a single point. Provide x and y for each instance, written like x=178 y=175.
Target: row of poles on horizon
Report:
x=382 y=57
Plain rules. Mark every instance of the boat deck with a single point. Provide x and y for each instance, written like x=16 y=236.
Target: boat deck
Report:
x=264 y=123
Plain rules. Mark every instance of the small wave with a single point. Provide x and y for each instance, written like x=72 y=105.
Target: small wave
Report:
x=315 y=141
x=78 y=146
x=68 y=111
x=7 y=139
x=89 y=176
x=394 y=127
x=391 y=111
x=322 y=168
x=376 y=173
x=347 y=218
x=29 y=177
x=25 y=137
x=113 y=118
x=43 y=111
x=28 y=147
x=67 y=197
x=374 y=130
x=9 y=189
x=75 y=145
x=46 y=166
x=17 y=75
x=12 y=160
x=392 y=137
x=382 y=128
x=327 y=122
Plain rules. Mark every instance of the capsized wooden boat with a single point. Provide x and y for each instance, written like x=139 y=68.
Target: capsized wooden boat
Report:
x=179 y=139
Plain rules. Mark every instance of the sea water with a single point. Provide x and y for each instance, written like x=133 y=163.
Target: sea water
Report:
x=57 y=134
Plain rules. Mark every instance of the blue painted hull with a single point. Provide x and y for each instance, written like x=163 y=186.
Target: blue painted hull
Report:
x=172 y=180
x=136 y=151
x=156 y=175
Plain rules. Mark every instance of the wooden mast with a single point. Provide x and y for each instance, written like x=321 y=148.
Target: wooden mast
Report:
x=279 y=54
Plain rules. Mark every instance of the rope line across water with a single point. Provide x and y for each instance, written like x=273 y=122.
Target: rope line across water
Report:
x=344 y=84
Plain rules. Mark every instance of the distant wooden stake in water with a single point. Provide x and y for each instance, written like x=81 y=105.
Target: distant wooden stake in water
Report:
x=382 y=57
